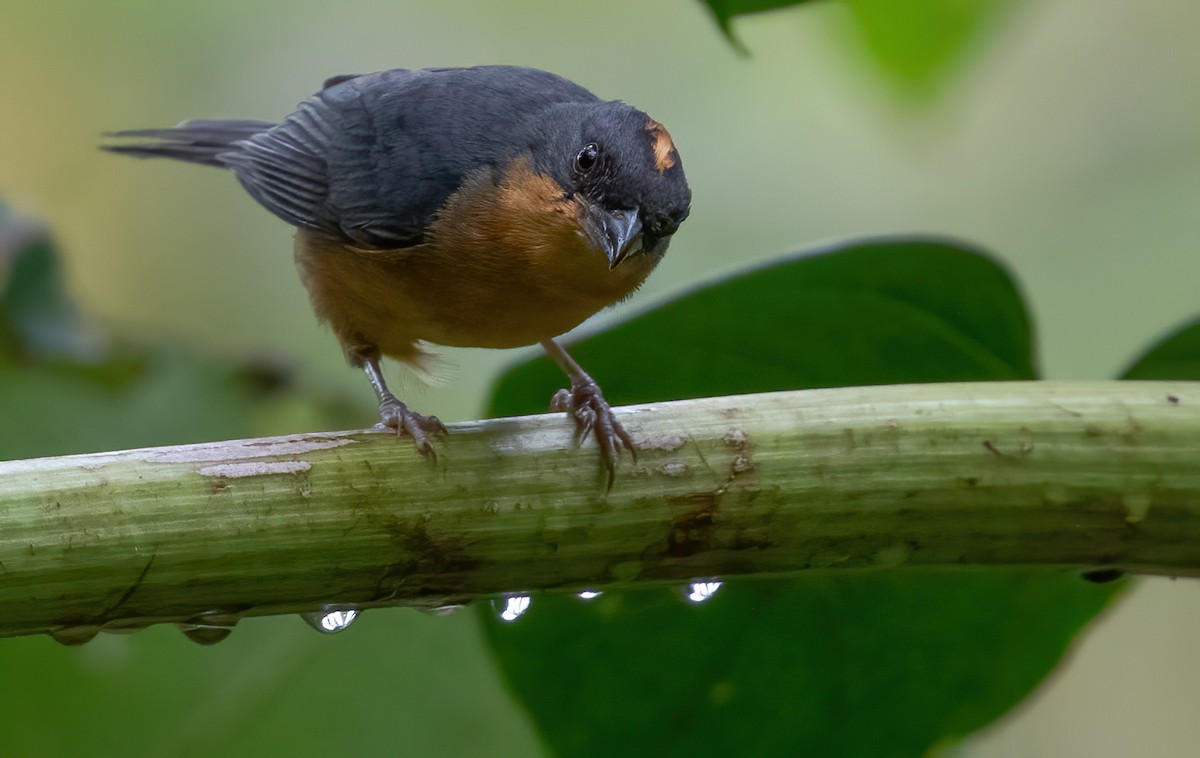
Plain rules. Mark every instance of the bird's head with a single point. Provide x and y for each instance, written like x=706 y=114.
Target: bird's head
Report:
x=622 y=170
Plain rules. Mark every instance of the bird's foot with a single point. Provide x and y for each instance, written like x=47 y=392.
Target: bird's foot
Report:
x=585 y=403
x=394 y=414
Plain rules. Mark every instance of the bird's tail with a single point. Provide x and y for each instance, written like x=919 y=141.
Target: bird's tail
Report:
x=202 y=142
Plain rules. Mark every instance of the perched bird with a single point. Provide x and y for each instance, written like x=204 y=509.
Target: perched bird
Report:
x=493 y=206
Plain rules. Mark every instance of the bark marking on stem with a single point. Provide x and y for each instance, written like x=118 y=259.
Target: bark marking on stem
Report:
x=255 y=468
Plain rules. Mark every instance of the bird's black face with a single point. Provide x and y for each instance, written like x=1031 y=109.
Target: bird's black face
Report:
x=623 y=168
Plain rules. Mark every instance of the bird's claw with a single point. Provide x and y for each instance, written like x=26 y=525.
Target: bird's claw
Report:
x=394 y=414
x=586 y=404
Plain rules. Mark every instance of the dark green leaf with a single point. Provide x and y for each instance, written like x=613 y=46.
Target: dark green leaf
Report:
x=1176 y=356
x=875 y=312
x=829 y=666
x=867 y=664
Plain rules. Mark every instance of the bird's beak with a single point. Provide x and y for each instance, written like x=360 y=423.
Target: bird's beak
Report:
x=618 y=234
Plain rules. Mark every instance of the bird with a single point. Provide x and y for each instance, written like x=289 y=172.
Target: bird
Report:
x=489 y=206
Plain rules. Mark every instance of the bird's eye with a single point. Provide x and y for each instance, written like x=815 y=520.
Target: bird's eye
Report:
x=586 y=158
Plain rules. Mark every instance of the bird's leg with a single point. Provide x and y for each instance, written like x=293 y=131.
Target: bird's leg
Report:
x=592 y=413
x=393 y=414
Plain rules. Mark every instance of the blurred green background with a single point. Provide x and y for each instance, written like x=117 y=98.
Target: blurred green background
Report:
x=1066 y=138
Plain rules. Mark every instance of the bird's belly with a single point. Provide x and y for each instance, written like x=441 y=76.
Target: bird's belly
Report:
x=504 y=307
x=498 y=319
x=393 y=301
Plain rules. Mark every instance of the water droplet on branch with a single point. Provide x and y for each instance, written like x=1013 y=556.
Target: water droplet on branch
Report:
x=510 y=608
x=208 y=628
x=443 y=610
x=74 y=635
x=698 y=592
x=330 y=621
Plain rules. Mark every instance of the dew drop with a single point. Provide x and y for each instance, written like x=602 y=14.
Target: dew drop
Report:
x=510 y=608
x=208 y=628
x=125 y=626
x=698 y=592
x=588 y=595
x=1103 y=576
x=205 y=635
x=330 y=621
x=74 y=635
x=443 y=610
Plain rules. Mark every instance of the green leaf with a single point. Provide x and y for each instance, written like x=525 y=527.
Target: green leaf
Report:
x=1176 y=356
x=918 y=44
x=155 y=397
x=853 y=664
x=724 y=11
x=36 y=314
x=887 y=311
x=828 y=666
x=63 y=390
x=275 y=687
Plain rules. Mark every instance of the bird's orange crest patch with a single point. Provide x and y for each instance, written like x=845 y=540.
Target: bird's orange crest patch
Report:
x=664 y=148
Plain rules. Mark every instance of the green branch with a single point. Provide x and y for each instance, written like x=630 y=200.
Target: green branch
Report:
x=1054 y=474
